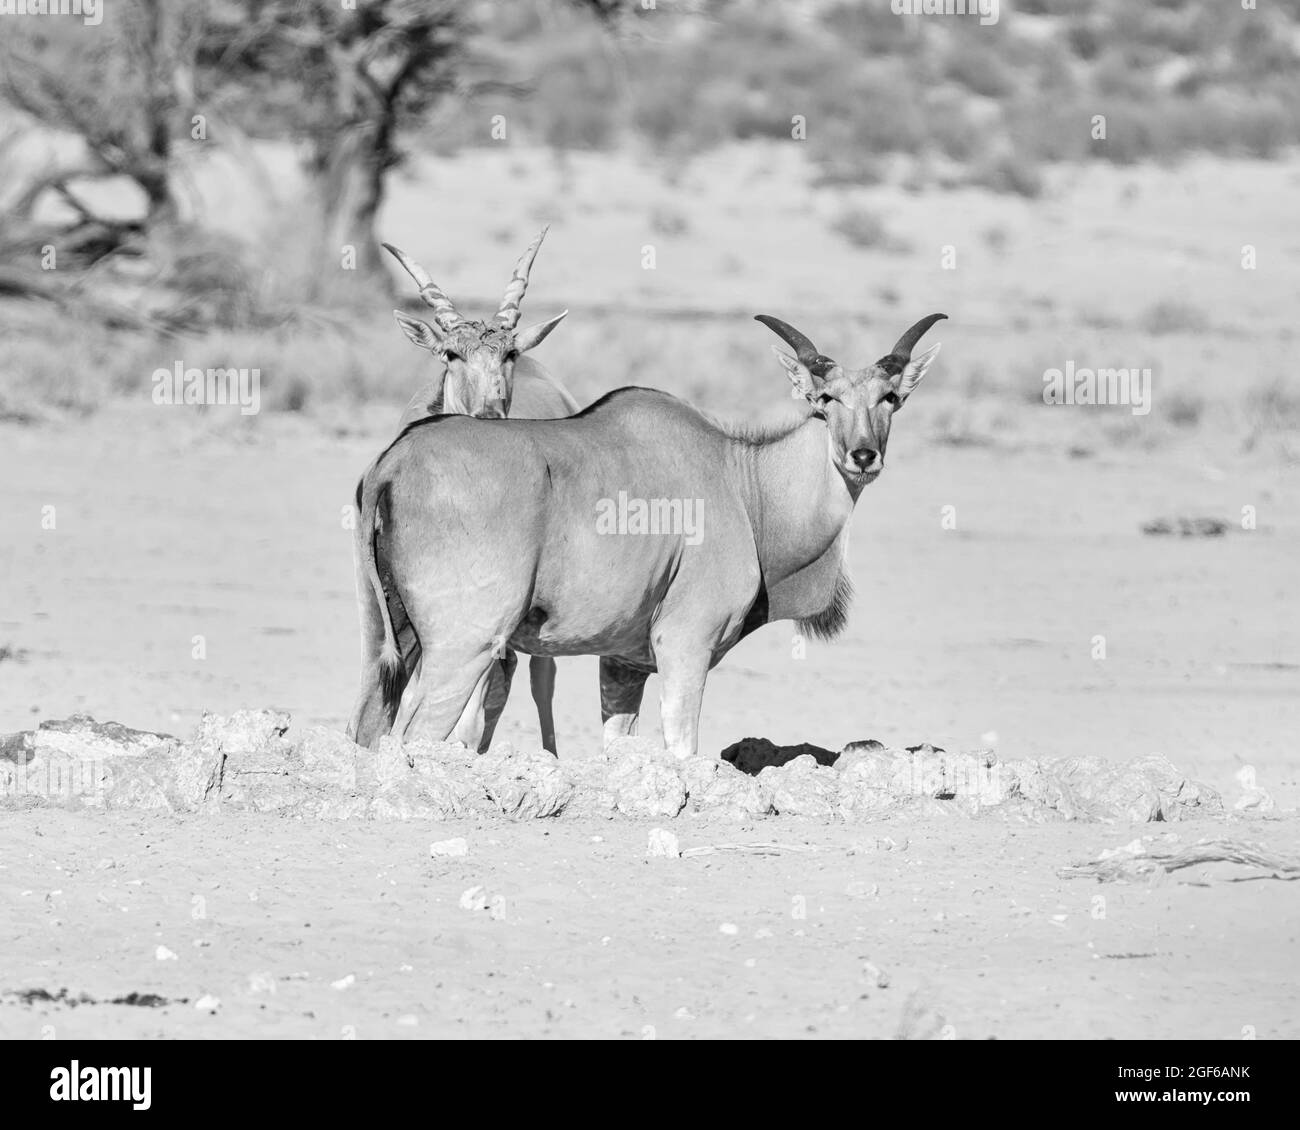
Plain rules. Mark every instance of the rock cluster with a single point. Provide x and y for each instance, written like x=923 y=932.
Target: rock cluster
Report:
x=249 y=761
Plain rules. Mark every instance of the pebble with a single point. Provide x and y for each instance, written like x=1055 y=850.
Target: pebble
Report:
x=207 y=1003
x=728 y=928
x=261 y=983
x=474 y=899
x=344 y=982
x=162 y=953
x=662 y=843
x=458 y=846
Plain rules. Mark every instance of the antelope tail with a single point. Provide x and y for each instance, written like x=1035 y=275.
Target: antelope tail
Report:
x=392 y=671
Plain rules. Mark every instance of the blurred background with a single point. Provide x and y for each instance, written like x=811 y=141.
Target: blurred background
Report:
x=202 y=168
x=1099 y=182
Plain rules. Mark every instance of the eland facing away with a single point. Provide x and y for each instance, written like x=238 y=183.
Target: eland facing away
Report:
x=482 y=373
x=497 y=534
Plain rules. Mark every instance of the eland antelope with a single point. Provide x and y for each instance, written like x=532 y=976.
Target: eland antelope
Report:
x=483 y=373
x=491 y=538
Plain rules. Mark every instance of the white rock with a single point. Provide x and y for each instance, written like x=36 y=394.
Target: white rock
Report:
x=207 y=1003
x=457 y=846
x=876 y=975
x=663 y=843
x=1132 y=848
x=344 y=982
x=261 y=983
x=474 y=899
x=729 y=928
x=162 y=953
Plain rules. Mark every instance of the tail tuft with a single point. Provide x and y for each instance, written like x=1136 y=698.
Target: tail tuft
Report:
x=392 y=671
x=392 y=678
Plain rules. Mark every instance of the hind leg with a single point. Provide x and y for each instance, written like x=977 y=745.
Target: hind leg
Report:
x=471 y=729
x=541 y=678
x=465 y=599
x=500 y=675
x=444 y=699
x=371 y=719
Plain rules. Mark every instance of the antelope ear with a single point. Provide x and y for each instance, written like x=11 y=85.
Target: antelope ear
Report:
x=914 y=370
x=535 y=335
x=420 y=332
x=805 y=383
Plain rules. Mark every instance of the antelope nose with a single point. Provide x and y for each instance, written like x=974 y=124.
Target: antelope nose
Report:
x=865 y=458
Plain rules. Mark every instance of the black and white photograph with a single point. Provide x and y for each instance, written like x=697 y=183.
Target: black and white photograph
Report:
x=650 y=520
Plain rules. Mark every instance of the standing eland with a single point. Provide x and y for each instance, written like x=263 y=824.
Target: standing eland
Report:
x=483 y=373
x=492 y=538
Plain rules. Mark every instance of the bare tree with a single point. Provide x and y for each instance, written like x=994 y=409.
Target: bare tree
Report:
x=359 y=75
x=123 y=89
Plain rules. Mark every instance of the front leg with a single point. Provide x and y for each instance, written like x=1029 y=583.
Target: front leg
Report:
x=683 y=665
x=621 y=688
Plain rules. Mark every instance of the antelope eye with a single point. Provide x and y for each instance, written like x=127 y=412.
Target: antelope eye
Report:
x=827 y=398
x=890 y=398
x=452 y=355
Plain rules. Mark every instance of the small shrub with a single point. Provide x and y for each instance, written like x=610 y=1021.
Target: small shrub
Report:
x=1008 y=173
x=864 y=229
x=1183 y=409
x=1170 y=316
x=668 y=221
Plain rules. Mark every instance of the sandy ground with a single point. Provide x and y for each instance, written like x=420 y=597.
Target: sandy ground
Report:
x=168 y=528
x=968 y=925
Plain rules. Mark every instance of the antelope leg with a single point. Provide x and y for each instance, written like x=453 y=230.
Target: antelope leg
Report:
x=541 y=677
x=683 y=670
x=498 y=690
x=621 y=688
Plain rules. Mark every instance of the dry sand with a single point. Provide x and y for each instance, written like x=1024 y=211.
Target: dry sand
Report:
x=168 y=529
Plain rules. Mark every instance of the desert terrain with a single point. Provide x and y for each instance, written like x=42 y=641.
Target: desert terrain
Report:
x=1003 y=539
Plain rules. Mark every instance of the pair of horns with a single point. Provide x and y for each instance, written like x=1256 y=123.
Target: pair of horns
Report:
x=444 y=310
x=814 y=361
